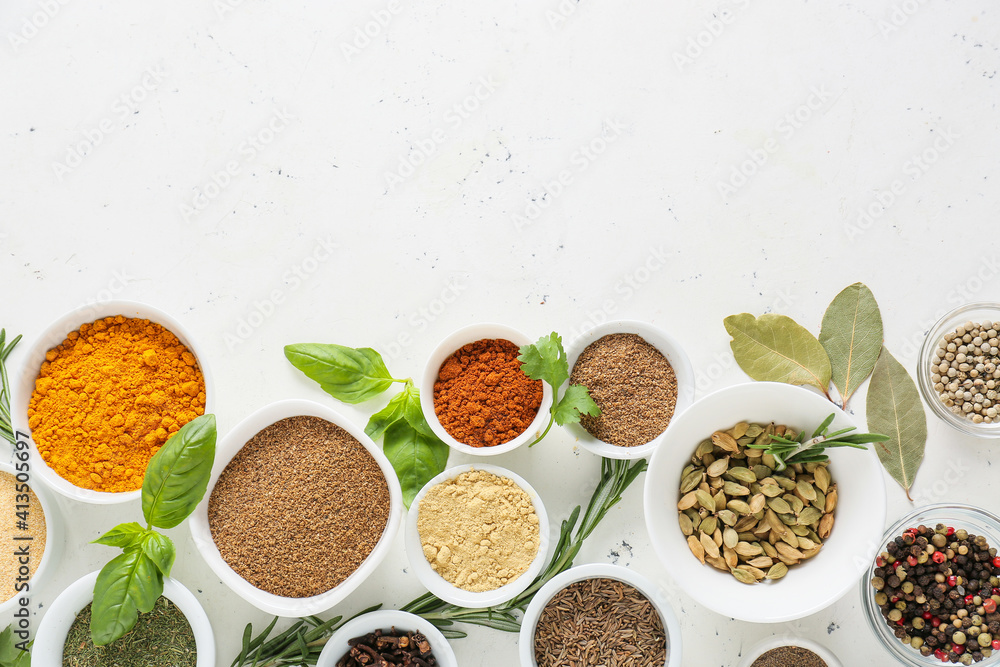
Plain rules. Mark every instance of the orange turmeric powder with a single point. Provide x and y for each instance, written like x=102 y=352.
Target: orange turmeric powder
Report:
x=108 y=397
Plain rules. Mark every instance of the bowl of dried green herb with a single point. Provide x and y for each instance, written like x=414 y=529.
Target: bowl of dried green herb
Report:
x=175 y=633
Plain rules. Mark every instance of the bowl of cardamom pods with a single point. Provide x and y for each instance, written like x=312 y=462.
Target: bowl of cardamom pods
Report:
x=762 y=504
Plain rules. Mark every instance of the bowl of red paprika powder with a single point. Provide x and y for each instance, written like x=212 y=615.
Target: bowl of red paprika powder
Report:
x=475 y=396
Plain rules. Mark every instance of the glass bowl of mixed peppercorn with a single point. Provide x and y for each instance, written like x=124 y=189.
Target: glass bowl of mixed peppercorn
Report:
x=933 y=592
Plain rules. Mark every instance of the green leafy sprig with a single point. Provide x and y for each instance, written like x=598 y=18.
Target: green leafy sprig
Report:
x=356 y=375
x=6 y=425
x=175 y=482
x=787 y=451
x=11 y=655
x=546 y=360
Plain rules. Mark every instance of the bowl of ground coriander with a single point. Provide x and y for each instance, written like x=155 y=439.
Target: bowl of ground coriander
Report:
x=102 y=389
x=475 y=396
x=959 y=373
x=477 y=535
x=639 y=376
x=301 y=508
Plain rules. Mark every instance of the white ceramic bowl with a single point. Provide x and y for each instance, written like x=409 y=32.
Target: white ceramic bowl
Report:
x=47 y=650
x=766 y=645
x=55 y=334
x=526 y=640
x=227 y=448
x=54 y=537
x=447 y=591
x=384 y=619
x=674 y=353
x=809 y=586
x=449 y=346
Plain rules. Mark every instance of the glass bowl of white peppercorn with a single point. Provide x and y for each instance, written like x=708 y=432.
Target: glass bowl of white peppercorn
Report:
x=959 y=372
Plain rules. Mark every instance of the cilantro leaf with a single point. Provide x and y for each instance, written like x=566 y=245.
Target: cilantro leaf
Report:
x=574 y=403
x=545 y=360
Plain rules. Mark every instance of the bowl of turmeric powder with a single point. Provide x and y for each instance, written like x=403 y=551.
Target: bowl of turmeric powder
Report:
x=101 y=390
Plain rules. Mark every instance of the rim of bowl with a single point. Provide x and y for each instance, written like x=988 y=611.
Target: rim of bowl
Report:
x=948 y=323
x=54 y=538
x=676 y=356
x=384 y=619
x=50 y=638
x=447 y=591
x=54 y=334
x=526 y=638
x=228 y=447
x=939 y=513
x=447 y=347
x=863 y=504
x=777 y=641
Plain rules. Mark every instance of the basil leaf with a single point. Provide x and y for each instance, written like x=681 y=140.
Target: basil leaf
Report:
x=574 y=403
x=177 y=475
x=160 y=550
x=894 y=408
x=545 y=360
x=11 y=655
x=386 y=417
x=414 y=414
x=777 y=349
x=127 y=585
x=348 y=374
x=414 y=456
x=852 y=337
x=123 y=535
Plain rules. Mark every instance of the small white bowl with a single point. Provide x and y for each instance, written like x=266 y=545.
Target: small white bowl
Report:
x=674 y=353
x=56 y=333
x=54 y=537
x=227 y=448
x=47 y=651
x=809 y=586
x=384 y=619
x=447 y=591
x=778 y=641
x=526 y=640
x=448 y=347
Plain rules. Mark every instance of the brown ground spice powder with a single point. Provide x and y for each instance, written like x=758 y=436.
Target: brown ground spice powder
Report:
x=482 y=397
x=789 y=656
x=33 y=527
x=633 y=384
x=299 y=508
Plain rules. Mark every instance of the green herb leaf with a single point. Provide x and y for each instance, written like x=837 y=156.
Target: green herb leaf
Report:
x=574 y=403
x=415 y=456
x=386 y=417
x=414 y=414
x=774 y=348
x=160 y=550
x=894 y=408
x=123 y=535
x=177 y=475
x=852 y=337
x=348 y=374
x=545 y=360
x=10 y=654
x=127 y=585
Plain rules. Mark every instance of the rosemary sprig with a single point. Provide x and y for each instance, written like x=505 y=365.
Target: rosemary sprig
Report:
x=304 y=640
x=6 y=425
x=799 y=450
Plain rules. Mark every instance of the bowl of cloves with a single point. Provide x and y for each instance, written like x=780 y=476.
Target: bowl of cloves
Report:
x=387 y=637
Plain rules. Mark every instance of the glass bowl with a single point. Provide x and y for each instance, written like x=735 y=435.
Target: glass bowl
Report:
x=972 y=312
x=973 y=519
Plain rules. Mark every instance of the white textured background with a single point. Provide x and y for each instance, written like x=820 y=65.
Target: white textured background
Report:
x=118 y=117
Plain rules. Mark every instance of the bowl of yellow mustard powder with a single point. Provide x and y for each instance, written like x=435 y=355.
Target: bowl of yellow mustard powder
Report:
x=102 y=389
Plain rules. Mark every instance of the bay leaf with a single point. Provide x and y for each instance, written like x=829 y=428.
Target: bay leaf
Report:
x=774 y=348
x=894 y=409
x=851 y=334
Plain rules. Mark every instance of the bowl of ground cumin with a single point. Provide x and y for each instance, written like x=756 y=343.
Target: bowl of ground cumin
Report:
x=639 y=376
x=788 y=651
x=475 y=396
x=301 y=508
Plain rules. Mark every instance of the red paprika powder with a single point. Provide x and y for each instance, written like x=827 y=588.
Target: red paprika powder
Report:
x=482 y=397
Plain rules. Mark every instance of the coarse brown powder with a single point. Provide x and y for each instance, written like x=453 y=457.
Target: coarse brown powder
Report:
x=299 y=507
x=633 y=384
x=789 y=656
x=600 y=621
